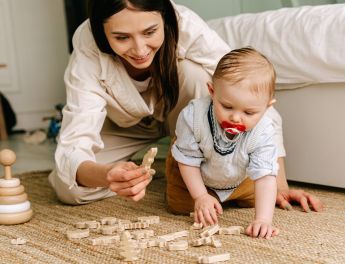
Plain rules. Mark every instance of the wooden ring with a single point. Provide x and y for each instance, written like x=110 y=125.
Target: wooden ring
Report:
x=15 y=218
x=14 y=208
x=13 y=199
x=12 y=191
x=9 y=183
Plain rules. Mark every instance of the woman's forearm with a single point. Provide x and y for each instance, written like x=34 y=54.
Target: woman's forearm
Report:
x=92 y=174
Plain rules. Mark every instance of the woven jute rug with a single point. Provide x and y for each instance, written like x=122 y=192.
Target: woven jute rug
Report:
x=304 y=237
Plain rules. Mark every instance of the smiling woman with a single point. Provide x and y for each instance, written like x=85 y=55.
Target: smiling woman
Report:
x=128 y=78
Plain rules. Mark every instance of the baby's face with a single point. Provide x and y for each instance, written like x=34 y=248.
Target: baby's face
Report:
x=237 y=105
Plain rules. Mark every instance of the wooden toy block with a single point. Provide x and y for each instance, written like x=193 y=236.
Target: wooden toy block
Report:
x=173 y=236
x=213 y=258
x=231 y=230
x=109 y=220
x=201 y=241
x=149 y=219
x=104 y=240
x=18 y=241
x=142 y=244
x=196 y=226
x=140 y=234
x=92 y=224
x=13 y=199
x=88 y=224
x=177 y=245
x=110 y=230
x=123 y=221
x=160 y=243
x=80 y=225
x=78 y=233
x=215 y=242
x=209 y=230
x=136 y=225
x=128 y=247
x=149 y=158
x=152 y=243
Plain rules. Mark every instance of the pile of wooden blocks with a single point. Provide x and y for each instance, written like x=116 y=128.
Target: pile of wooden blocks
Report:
x=132 y=236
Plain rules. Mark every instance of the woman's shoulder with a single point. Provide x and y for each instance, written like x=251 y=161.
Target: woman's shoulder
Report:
x=83 y=38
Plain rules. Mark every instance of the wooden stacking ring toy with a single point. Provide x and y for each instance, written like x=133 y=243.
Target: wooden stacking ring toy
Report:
x=14 y=205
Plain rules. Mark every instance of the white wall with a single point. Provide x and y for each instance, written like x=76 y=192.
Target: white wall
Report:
x=35 y=49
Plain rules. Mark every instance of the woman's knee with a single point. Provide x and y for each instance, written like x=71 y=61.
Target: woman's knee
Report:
x=76 y=195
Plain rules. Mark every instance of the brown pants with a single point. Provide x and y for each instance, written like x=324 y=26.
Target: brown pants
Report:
x=178 y=197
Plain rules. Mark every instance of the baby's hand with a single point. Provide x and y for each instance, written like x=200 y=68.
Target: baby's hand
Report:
x=206 y=208
x=260 y=228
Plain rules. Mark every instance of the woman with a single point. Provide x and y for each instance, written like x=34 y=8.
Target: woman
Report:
x=135 y=65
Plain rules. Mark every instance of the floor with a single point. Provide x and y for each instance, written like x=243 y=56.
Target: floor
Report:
x=30 y=157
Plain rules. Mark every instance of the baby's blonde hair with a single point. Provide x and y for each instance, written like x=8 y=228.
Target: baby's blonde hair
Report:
x=247 y=64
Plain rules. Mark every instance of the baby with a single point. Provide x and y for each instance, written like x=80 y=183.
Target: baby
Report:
x=226 y=139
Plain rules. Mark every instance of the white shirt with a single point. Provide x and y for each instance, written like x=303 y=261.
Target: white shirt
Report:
x=223 y=163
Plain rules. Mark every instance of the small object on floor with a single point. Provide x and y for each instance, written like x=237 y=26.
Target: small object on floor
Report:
x=173 y=236
x=110 y=220
x=18 y=241
x=149 y=219
x=142 y=234
x=196 y=226
x=36 y=137
x=204 y=241
x=209 y=231
x=78 y=233
x=14 y=206
x=213 y=258
x=216 y=242
x=104 y=240
x=128 y=247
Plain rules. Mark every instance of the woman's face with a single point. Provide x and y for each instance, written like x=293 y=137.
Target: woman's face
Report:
x=135 y=36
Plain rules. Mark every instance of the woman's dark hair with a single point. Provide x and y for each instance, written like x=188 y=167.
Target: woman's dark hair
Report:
x=164 y=70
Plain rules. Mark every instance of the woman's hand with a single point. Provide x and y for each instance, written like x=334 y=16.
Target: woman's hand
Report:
x=261 y=228
x=305 y=199
x=206 y=208
x=129 y=180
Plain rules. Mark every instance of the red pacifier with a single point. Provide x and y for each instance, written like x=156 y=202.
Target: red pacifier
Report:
x=232 y=128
